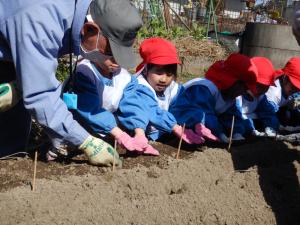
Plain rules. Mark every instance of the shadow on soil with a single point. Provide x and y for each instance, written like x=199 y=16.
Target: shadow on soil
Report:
x=277 y=175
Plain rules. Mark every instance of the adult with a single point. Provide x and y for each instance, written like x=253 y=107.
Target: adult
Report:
x=33 y=35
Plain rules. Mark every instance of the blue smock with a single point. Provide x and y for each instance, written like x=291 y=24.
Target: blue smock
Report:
x=141 y=107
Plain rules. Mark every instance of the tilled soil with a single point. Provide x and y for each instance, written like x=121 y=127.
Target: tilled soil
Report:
x=255 y=183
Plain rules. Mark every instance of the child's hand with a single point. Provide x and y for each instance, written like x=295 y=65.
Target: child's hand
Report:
x=223 y=138
x=205 y=132
x=257 y=133
x=294 y=101
x=140 y=142
x=188 y=135
x=125 y=141
x=237 y=137
x=270 y=132
x=149 y=150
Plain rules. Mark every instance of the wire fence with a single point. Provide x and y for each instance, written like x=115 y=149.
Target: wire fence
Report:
x=227 y=15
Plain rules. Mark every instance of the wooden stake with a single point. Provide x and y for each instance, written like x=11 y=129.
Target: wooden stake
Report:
x=187 y=27
x=168 y=18
x=34 y=170
x=114 y=161
x=231 y=132
x=180 y=141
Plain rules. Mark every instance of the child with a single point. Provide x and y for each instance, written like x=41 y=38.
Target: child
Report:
x=145 y=104
x=99 y=86
x=287 y=82
x=205 y=100
x=250 y=103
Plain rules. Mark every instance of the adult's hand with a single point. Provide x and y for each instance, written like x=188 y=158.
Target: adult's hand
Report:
x=9 y=96
x=99 y=152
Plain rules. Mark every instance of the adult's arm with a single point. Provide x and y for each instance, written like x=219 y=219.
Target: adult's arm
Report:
x=35 y=40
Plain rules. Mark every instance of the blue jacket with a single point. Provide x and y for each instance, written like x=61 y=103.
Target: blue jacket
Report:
x=140 y=107
x=202 y=102
x=33 y=34
x=269 y=106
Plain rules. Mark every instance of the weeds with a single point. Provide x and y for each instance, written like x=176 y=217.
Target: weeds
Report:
x=157 y=28
x=62 y=71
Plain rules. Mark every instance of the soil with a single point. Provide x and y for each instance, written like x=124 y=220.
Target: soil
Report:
x=255 y=183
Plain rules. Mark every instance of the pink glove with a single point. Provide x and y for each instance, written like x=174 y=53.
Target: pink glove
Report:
x=141 y=145
x=125 y=141
x=189 y=136
x=205 y=132
x=149 y=150
x=140 y=142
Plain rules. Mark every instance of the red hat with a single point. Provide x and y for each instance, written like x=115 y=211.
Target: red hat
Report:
x=265 y=73
x=236 y=67
x=157 y=51
x=265 y=69
x=292 y=70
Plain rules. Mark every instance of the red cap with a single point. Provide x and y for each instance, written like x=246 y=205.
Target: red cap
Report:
x=265 y=73
x=157 y=51
x=265 y=69
x=292 y=70
x=236 y=67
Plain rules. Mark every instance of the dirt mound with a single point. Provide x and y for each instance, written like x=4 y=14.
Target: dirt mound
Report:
x=257 y=183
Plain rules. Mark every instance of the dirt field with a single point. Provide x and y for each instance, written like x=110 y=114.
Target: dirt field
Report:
x=257 y=183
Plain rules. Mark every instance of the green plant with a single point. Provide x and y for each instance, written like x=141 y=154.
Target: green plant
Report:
x=178 y=32
x=156 y=28
x=62 y=71
x=198 y=32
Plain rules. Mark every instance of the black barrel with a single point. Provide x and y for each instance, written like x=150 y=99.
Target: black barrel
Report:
x=272 y=41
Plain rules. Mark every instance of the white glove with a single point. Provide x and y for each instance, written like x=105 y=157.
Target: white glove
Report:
x=9 y=96
x=223 y=138
x=99 y=152
x=270 y=132
x=237 y=137
x=257 y=133
x=289 y=128
x=56 y=152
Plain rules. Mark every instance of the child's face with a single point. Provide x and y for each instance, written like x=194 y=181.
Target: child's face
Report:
x=237 y=89
x=158 y=78
x=288 y=87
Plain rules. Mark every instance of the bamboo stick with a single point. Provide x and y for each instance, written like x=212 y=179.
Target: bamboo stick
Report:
x=114 y=161
x=34 y=170
x=180 y=141
x=231 y=133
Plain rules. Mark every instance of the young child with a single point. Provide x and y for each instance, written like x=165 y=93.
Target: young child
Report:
x=250 y=103
x=206 y=100
x=145 y=103
x=287 y=82
x=99 y=86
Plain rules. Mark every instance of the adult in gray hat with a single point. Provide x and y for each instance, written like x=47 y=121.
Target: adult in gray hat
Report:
x=33 y=35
